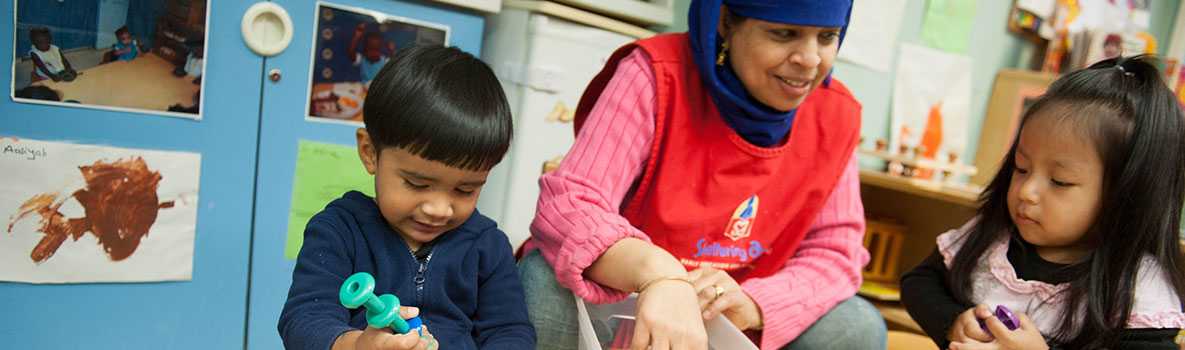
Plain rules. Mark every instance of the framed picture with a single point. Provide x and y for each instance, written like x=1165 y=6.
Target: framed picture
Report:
x=144 y=56
x=350 y=46
x=1013 y=92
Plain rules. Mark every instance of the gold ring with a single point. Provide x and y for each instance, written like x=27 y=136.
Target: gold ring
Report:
x=719 y=291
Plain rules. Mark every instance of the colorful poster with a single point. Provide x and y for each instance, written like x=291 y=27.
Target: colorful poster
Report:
x=141 y=56
x=948 y=24
x=324 y=172
x=350 y=46
x=931 y=105
x=871 y=37
x=83 y=213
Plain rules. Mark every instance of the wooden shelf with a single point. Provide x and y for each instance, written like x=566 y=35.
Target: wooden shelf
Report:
x=895 y=315
x=921 y=188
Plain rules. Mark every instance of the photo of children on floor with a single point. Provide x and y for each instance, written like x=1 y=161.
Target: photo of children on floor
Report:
x=129 y=55
x=350 y=46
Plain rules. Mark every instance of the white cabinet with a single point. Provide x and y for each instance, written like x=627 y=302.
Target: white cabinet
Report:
x=544 y=63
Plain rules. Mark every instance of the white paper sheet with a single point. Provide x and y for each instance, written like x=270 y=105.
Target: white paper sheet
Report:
x=926 y=78
x=872 y=34
x=118 y=203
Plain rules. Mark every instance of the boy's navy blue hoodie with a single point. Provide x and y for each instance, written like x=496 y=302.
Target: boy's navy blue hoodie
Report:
x=469 y=294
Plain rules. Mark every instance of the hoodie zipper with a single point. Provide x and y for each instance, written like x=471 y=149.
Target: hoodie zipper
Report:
x=421 y=278
x=421 y=272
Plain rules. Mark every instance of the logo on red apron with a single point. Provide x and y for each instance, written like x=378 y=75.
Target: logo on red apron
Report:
x=742 y=219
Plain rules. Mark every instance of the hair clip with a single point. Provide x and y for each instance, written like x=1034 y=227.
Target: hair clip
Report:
x=1124 y=71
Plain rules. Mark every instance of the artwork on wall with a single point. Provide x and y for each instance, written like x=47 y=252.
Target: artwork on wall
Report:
x=931 y=104
x=85 y=213
x=350 y=46
x=324 y=172
x=144 y=56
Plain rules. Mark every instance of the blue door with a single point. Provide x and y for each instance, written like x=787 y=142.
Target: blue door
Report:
x=321 y=77
x=208 y=311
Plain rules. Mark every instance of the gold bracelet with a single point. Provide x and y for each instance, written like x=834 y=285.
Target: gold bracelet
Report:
x=666 y=278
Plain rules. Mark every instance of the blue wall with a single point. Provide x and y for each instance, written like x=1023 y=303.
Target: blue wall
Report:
x=208 y=312
x=72 y=23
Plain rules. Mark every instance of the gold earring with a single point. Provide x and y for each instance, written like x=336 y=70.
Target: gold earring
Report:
x=723 y=54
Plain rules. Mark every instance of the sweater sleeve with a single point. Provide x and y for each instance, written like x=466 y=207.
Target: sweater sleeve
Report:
x=929 y=301
x=312 y=319
x=824 y=271
x=501 y=320
x=578 y=216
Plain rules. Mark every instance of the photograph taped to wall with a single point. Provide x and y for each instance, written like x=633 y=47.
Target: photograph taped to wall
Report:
x=86 y=213
x=350 y=46
x=142 y=56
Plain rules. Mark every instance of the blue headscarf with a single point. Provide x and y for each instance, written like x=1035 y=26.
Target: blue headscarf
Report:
x=754 y=121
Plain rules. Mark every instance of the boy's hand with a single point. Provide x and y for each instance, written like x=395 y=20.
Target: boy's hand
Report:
x=382 y=339
x=966 y=326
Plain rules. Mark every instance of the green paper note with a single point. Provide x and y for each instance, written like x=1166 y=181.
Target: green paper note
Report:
x=324 y=172
x=948 y=24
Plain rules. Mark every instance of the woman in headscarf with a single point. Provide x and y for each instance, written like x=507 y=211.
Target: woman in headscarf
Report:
x=713 y=173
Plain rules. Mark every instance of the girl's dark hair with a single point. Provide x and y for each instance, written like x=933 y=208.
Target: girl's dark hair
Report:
x=1137 y=126
x=441 y=104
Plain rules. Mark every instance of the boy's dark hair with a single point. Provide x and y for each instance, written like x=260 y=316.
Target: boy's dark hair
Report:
x=442 y=104
x=1138 y=129
x=38 y=92
x=39 y=31
x=121 y=31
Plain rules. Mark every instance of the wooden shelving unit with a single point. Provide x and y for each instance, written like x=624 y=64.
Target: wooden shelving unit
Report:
x=920 y=188
x=926 y=210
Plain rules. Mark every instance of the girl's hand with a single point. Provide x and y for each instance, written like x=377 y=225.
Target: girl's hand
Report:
x=668 y=318
x=966 y=326
x=1027 y=337
x=732 y=301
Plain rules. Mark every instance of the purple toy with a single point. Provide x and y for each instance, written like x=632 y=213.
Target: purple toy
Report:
x=1004 y=315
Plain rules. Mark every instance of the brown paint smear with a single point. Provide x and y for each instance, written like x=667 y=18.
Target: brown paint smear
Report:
x=120 y=204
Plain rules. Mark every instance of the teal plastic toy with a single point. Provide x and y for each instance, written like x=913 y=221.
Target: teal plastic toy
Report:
x=381 y=311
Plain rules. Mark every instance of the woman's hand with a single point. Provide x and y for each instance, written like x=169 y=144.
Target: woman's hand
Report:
x=719 y=294
x=668 y=318
x=1027 y=337
x=966 y=326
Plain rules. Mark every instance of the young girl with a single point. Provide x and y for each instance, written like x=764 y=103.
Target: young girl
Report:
x=1078 y=231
